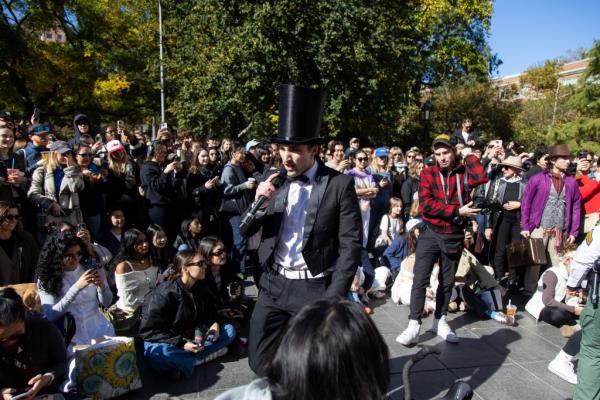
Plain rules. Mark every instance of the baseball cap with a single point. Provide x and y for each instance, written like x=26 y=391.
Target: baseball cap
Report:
x=381 y=152
x=114 y=145
x=354 y=139
x=251 y=144
x=39 y=129
x=412 y=223
x=441 y=140
x=60 y=147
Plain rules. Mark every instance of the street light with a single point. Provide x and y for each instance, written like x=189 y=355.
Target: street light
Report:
x=162 y=79
x=427 y=111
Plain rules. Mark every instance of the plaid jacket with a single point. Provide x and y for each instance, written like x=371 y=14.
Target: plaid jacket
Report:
x=438 y=212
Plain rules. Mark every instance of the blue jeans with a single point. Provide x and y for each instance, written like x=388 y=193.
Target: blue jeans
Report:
x=367 y=269
x=238 y=250
x=165 y=357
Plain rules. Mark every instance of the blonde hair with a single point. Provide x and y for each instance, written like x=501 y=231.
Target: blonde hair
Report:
x=414 y=209
x=396 y=202
x=413 y=169
x=52 y=161
x=116 y=165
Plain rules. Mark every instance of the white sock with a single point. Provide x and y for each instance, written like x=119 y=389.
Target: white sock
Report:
x=565 y=356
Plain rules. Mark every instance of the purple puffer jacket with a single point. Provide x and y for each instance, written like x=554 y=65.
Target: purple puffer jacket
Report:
x=535 y=198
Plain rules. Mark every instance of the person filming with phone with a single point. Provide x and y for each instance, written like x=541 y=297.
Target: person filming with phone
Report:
x=589 y=189
x=446 y=208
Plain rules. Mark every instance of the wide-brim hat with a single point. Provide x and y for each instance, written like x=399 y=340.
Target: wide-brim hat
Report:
x=300 y=115
x=560 y=150
x=513 y=162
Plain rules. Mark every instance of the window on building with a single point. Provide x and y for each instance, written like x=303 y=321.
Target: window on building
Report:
x=48 y=35
x=59 y=36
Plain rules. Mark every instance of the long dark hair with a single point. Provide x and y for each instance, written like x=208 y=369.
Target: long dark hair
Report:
x=181 y=258
x=50 y=264
x=206 y=246
x=12 y=308
x=158 y=256
x=329 y=341
x=128 y=242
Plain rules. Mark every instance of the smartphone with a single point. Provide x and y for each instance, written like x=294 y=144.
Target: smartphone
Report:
x=22 y=393
x=36 y=113
x=81 y=227
x=120 y=124
x=498 y=143
x=164 y=125
x=99 y=138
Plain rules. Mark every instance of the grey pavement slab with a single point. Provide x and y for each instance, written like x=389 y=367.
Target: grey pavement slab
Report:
x=499 y=362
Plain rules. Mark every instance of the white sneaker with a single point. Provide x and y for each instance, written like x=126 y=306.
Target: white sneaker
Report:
x=563 y=367
x=410 y=334
x=443 y=330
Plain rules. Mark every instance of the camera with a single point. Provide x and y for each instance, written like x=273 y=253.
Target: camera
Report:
x=582 y=155
x=485 y=205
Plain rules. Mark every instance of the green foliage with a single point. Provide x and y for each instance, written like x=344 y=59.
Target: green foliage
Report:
x=226 y=59
x=100 y=70
x=476 y=100
x=542 y=79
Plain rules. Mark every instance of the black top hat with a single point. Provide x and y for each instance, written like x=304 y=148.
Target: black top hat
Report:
x=300 y=115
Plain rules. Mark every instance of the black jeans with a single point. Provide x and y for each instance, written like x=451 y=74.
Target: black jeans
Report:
x=431 y=248
x=557 y=316
x=573 y=344
x=506 y=232
x=279 y=299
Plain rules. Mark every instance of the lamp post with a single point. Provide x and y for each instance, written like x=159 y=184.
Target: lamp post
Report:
x=162 y=79
x=427 y=110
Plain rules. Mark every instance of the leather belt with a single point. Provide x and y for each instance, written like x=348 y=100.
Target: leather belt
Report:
x=298 y=274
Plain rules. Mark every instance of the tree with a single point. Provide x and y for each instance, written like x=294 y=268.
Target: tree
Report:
x=226 y=59
x=478 y=101
x=99 y=70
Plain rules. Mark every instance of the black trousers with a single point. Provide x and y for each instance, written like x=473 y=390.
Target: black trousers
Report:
x=506 y=232
x=557 y=316
x=432 y=247
x=573 y=344
x=279 y=299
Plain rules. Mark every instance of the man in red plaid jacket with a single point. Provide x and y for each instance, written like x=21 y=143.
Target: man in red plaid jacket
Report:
x=446 y=207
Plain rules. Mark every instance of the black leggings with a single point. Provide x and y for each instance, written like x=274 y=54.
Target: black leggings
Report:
x=557 y=316
x=506 y=232
x=573 y=344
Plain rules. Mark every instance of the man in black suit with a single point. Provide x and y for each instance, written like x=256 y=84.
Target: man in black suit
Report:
x=311 y=227
x=467 y=135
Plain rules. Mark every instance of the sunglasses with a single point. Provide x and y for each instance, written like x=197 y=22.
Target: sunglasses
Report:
x=217 y=253
x=72 y=256
x=198 y=264
x=85 y=154
x=361 y=159
x=11 y=217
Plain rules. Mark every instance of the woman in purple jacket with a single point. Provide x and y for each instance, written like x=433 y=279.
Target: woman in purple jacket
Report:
x=550 y=209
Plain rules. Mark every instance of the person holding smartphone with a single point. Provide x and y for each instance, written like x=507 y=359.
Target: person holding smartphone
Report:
x=66 y=285
x=25 y=337
x=589 y=188
x=55 y=187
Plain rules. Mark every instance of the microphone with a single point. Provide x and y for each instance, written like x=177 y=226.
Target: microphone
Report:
x=251 y=214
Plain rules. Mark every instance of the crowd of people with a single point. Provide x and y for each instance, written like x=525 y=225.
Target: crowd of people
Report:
x=132 y=235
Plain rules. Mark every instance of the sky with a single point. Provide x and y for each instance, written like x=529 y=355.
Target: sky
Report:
x=525 y=33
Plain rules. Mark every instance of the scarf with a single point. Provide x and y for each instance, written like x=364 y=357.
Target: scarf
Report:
x=558 y=181
x=512 y=179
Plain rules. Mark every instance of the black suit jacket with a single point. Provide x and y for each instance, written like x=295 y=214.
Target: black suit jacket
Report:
x=332 y=229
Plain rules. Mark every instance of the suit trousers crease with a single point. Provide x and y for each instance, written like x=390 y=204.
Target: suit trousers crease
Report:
x=429 y=251
x=279 y=299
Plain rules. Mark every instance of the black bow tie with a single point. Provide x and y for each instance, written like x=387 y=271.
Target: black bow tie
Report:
x=299 y=178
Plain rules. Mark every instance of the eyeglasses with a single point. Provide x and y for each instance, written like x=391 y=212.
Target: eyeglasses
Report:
x=12 y=217
x=82 y=123
x=362 y=159
x=198 y=264
x=218 y=253
x=71 y=256
x=85 y=154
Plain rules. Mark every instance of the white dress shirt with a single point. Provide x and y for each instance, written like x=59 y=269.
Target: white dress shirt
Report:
x=289 y=250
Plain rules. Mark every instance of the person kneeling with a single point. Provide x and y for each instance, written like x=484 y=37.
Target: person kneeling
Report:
x=171 y=316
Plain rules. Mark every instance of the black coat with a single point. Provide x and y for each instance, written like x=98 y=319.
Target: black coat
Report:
x=160 y=189
x=457 y=138
x=171 y=312
x=332 y=229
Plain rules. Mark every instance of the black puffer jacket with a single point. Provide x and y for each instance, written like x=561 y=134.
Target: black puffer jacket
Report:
x=171 y=312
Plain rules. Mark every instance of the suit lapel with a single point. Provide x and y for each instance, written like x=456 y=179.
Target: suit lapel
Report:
x=316 y=195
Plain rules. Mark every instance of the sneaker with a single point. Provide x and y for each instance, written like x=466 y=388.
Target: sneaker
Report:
x=212 y=356
x=377 y=294
x=564 y=369
x=410 y=334
x=502 y=318
x=443 y=330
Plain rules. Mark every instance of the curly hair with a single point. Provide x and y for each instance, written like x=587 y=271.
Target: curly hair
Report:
x=414 y=169
x=50 y=264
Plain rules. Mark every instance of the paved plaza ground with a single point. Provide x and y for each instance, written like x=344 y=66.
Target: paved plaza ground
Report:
x=499 y=362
